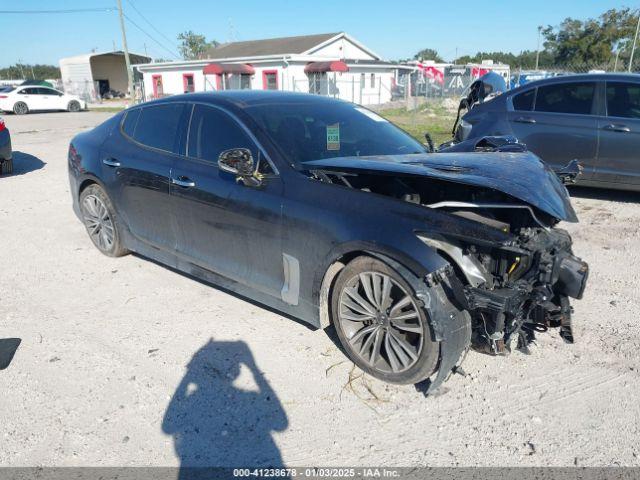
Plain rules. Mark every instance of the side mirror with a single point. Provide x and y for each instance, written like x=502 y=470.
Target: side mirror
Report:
x=239 y=162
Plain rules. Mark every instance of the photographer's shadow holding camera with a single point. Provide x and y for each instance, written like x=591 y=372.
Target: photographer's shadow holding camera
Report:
x=216 y=424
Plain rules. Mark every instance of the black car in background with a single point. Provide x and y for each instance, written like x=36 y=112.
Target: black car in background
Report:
x=592 y=118
x=329 y=213
x=6 y=160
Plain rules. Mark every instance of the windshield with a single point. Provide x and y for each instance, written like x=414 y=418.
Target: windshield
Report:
x=307 y=131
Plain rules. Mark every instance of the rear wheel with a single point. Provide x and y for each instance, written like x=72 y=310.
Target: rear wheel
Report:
x=20 y=108
x=6 y=167
x=74 y=106
x=101 y=221
x=381 y=323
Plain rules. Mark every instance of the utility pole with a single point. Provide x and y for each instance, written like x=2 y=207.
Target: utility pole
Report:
x=633 y=49
x=126 y=50
x=538 y=48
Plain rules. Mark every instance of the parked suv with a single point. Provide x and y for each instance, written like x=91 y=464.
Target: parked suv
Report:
x=593 y=118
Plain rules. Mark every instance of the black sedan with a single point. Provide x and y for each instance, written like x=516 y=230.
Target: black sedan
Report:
x=329 y=213
x=594 y=119
x=6 y=161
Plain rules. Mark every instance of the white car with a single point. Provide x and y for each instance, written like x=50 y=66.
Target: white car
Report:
x=27 y=98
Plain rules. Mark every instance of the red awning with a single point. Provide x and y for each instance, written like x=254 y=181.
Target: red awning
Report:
x=219 y=68
x=318 y=67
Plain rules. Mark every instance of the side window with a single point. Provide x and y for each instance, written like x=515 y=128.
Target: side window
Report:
x=623 y=100
x=157 y=126
x=524 y=101
x=213 y=131
x=566 y=98
x=130 y=120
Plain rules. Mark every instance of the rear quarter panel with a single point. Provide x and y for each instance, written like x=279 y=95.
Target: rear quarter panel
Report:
x=85 y=153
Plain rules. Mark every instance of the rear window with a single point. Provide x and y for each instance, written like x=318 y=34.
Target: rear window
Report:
x=574 y=98
x=623 y=100
x=157 y=126
x=524 y=100
x=130 y=120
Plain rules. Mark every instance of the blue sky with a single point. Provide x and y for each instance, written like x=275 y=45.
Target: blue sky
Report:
x=394 y=29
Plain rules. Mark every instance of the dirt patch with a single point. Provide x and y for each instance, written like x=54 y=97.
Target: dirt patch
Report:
x=121 y=357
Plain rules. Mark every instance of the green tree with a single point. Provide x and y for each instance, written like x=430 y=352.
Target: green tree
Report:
x=428 y=54
x=27 y=71
x=193 y=46
x=591 y=41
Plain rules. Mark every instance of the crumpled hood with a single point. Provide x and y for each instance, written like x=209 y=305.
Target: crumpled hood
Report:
x=521 y=175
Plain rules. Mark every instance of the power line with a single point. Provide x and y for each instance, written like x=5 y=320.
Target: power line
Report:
x=75 y=10
x=171 y=42
x=173 y=54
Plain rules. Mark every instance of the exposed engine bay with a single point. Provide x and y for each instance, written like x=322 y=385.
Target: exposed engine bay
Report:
x=513 y=287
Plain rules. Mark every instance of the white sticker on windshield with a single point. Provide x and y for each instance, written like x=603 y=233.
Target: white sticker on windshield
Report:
x=371 y=115
x=333 y=137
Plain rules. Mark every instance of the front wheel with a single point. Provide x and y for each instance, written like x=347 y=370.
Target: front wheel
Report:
x=101 y=221
x=381 y=324
x=74 y=106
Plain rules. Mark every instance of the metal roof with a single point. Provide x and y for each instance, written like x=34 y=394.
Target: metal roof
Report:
x=135 y=57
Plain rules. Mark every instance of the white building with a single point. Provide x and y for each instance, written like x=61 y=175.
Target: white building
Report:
x=333 y=64
x=93 y=74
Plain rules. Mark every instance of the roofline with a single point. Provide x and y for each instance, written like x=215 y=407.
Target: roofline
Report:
x=99 y=54
x=348 y=37
x=290 y=57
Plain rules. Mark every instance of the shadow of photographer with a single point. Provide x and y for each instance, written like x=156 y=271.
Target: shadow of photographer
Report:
x=214 y=422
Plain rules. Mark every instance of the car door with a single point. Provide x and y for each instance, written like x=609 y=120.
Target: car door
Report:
x=556 y=122
x=47 y=99
x=223 y=225
x=137 y=170
x=619 y=134
x=31 y=97
x=52 y=99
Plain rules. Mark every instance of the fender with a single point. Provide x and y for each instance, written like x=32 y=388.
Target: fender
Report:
x=450 y=323
x=417 y=265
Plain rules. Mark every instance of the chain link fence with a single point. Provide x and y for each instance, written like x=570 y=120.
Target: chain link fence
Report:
x=437 y=82
x=365 y=89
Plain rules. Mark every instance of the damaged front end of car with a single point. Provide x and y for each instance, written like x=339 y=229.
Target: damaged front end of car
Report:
x=517 y=287
x=510 y=266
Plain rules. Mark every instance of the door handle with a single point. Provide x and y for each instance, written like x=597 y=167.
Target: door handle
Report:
x=111 y=162
x=183 y=182
x=616 y=128
x=525 y=120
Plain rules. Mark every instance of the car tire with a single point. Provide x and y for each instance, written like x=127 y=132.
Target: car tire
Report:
x=101 y=221
x=6 y=167
x=398 y=345
x=74 y=106
x=20 y=108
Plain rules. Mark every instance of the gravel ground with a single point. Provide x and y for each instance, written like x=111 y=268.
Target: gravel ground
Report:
x=125 y=362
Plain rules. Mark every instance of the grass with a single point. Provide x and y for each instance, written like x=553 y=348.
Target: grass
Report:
x=435 y=120
x=106 y=109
